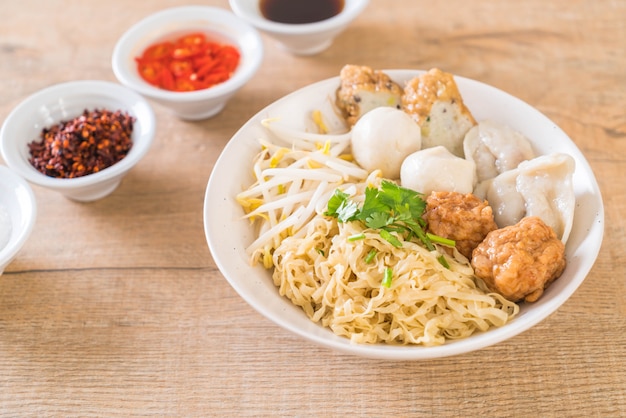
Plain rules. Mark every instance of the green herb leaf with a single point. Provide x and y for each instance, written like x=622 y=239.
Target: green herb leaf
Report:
x=370 y=255
x=372 y=204
x=390 y=238
x=401 y=199
x=422 y=236
x=341 y=207
x=336 y=200
x=347 y=211
x=378 y=220
x=441 y=240
x=387 y=277
x=443 y=261
x=356 y=237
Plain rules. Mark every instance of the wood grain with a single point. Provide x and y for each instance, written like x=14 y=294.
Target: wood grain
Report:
x=116 y=308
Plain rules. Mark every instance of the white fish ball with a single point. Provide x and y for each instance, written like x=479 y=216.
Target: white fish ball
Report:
x=382 y=138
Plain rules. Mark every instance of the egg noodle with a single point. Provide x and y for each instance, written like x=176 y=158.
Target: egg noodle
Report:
x=319 y=267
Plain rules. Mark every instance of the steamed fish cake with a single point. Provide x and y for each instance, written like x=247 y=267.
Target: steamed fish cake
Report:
x=435 y=103
x=363 y=89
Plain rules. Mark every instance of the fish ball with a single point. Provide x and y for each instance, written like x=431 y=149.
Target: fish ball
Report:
x=437 y=169
x=382 y=138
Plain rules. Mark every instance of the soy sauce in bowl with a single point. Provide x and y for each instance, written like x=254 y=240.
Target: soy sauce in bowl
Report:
x=300 y=11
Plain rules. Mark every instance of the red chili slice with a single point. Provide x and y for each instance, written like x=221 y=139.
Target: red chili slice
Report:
x=158 y=51
x=193 y=39
x=185 y=85
x=167 y=80
x=181 y=68
x=150 y=71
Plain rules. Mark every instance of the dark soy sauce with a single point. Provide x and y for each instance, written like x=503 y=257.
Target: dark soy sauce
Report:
x=300 y=11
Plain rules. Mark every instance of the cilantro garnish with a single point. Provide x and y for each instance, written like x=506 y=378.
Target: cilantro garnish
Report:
x=390 y=208
x=341 y=207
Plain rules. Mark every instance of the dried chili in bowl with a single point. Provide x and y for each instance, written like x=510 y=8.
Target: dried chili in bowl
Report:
x=83 y=145
x=191 y=62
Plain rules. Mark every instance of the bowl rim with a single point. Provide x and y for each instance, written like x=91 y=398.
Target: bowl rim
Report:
x=29 y=212
x=252 y=57
x=351 y=9
x=127 y=98
x=224 y=252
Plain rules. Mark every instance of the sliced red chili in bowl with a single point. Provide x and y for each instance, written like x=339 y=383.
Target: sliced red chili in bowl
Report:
x=191 y=62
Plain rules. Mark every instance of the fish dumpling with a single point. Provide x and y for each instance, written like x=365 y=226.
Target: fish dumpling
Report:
x=495 y=148
x=539 y=187
x=437 y=169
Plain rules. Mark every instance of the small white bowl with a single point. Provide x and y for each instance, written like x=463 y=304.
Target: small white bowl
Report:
x=220 y=25
x=18 y=211
x=300 y=38
x=63 y=102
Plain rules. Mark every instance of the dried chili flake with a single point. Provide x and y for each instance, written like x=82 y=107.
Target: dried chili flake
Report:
x=191 y=62
x=84 y=145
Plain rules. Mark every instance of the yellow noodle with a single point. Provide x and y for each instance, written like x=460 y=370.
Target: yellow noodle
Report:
x=326 y=275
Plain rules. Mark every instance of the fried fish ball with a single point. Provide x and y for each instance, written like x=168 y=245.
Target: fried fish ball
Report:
x=435 y=103
x=462 y=217
x=521 y=260
x=363 y=89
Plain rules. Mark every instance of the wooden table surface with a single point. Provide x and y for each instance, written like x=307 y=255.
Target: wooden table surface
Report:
x=116 y=308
